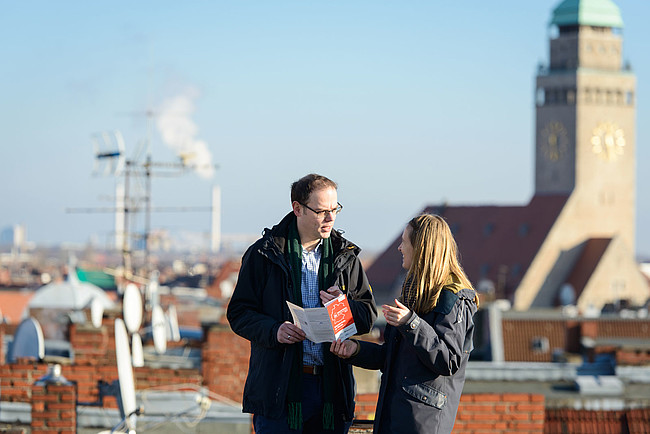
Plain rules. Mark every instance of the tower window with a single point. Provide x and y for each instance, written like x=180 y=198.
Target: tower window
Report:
x=540 y=96
x=550 y=96
x=629 y=98
x=599 y=97
x=488 y=229
x=571 y=96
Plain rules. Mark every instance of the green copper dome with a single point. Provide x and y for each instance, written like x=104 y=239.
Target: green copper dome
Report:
x=599 y=13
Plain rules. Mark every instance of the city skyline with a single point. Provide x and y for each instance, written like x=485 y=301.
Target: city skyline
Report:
x=403 y=105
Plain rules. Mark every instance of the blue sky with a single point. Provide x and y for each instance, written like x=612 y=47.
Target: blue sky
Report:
x=404 y=104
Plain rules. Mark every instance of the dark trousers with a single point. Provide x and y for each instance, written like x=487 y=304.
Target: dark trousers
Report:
x=312 y=413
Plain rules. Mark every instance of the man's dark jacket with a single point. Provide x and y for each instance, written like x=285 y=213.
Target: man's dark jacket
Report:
x=258 y=307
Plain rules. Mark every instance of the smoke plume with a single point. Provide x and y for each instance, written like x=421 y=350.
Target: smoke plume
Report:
x=179 y=132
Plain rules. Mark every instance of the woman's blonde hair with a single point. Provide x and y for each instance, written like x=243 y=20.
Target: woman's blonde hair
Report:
x=435 y=258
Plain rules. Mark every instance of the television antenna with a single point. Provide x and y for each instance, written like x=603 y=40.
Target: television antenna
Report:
x=109 y=153
x=133 y=190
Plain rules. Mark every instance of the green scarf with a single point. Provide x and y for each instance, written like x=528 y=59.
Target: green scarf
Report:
x=325 y=275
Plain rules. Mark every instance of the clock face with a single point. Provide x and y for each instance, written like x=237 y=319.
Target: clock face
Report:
x=555 y=140
x=608 y=141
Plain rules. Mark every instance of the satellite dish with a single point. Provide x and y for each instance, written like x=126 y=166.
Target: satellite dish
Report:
x=153 y=288
x=96 y=312
x=227 y=287
x=567 y=295
x=132 y=308
x=137 y=355
x=173 y=333
x=28 y=341
x=125 y=374
x=159 y=329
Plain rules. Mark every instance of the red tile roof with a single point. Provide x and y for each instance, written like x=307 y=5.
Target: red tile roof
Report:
x=13 y=304
x=519 y=334
x=495 y=242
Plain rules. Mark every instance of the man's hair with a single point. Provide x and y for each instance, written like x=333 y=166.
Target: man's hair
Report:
x=302 y=188
x=435 y=257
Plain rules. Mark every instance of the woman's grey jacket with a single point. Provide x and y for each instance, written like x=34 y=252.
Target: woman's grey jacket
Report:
x=423 y=366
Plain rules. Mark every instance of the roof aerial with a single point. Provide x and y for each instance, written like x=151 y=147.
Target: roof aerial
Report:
x=598 y=13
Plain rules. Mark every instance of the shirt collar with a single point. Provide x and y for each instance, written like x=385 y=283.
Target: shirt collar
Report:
x=318 y=248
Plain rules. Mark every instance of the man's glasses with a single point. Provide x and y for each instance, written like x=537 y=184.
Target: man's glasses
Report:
x=323 y=213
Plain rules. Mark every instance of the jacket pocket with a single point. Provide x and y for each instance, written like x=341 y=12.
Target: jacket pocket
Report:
x=426 y=395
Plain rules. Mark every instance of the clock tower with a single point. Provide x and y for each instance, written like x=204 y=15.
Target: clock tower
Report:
x=585 y=119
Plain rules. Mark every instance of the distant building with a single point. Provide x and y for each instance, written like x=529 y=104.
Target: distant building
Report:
x=14 y=236
x=574 y=241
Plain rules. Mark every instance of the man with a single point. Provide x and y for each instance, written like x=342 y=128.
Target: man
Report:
x=293 y=384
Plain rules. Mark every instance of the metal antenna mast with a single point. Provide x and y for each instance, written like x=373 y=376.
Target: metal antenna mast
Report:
x=109 y=152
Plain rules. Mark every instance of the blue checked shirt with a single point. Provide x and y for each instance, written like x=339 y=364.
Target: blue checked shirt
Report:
x=312 y=354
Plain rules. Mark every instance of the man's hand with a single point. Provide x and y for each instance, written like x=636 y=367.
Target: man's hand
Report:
x=289 y=333
x=344 y=349
x=330 y=294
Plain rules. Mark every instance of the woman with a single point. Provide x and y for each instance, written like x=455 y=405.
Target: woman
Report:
x=428 y=336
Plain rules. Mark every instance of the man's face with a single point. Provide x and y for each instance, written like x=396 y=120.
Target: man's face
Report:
x=312 y=224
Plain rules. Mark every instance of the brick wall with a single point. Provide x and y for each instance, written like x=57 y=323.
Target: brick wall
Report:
x=629 y=357
x=366 y=404
x=482 y=413
x=500 y=413
x=224 y=361
x=2 y=341
x=54 y=409
x=16 y=379
x=526 y=413
x=94 y=362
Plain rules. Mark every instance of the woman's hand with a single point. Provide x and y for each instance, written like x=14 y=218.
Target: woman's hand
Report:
x=330 y=294
x=289 y=333
x=396 y=315
x=344 y=349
